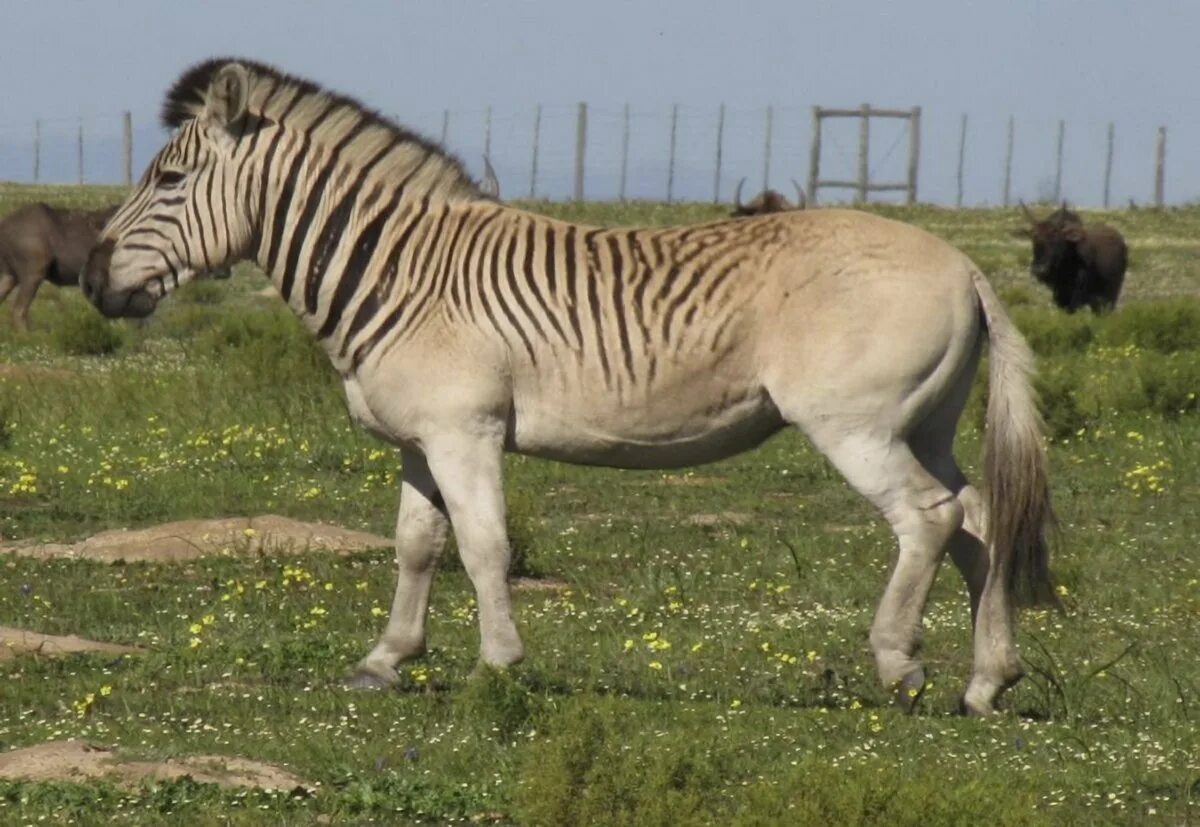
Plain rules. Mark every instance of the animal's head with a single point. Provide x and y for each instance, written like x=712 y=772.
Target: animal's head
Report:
x=767 y=201
x=1055 y=239
x=178 y=221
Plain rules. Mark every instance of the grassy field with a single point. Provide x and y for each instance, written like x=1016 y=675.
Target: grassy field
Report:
x=698 y=640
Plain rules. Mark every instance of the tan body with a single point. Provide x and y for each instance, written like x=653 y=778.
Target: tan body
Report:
x=464 y=328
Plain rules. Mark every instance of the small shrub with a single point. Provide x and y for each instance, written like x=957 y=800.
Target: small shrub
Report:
x=82 y=331
x=1058 y=392
x=1164 y=326
x=601 y=766
x=1051 y=331
x=497 y=701
x=1016 y=295
x=1172 y=384
x=203 y=291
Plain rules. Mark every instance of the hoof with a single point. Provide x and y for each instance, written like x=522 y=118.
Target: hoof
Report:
x=909 y=689
x=483 y=669
x=980 y=698
x=969 y=709
x=369 y=680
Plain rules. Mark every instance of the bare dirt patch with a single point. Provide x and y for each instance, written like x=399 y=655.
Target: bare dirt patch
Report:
x=720 y=518
x=539 y=584
x=189 y=539
x=35 y=372
x=15 y=642
x=75 y=761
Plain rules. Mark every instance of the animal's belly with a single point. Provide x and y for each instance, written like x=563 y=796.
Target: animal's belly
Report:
x=662 y=435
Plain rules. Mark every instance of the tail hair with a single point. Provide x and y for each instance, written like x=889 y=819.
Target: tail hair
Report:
x=1020 y=514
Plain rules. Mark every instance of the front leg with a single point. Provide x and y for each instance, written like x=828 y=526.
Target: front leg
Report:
x=468 y=467
x=420 y=537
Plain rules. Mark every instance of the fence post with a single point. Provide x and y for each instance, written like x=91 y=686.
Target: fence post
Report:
x=1062 y=128
x=1160 y=164
x=962 y=154
x=37 y=150
x=1108 y=161
x=864 y=139
x=767 y=148
x=671 y=156
x=127 y=149
x=580 y=149
x=80 y=152
x=624 y=154
x=445 y=125
x=487 y=133
x=1008 y=155
x=537 y=131
x=914 y=152
x=814 y=156
x=720 y=138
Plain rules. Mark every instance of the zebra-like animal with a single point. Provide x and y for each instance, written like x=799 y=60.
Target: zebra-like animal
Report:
x=464 y=328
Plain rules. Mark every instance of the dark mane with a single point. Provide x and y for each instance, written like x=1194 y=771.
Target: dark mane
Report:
x=185 y=100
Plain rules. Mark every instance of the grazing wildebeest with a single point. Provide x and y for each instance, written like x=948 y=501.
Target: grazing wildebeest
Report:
x=463 y=328
x=767 y=201
x=1082 y=264
x=43 y=243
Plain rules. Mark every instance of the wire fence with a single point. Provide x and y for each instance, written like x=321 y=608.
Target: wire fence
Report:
x=700 y=153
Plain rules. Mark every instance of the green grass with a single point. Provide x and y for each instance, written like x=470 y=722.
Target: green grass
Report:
x=707 y=661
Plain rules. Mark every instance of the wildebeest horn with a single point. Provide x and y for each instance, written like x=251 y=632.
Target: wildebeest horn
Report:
x=801 y=200
x=1028 y=212
x=737 y=195
x=491 y=184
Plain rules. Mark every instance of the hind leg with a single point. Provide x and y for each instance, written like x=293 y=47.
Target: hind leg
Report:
x=996 y=664
x=27 y=287
x=7 y=282
x=924 y=514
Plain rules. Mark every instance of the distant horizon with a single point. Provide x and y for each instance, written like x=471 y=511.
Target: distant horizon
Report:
x=1038 y=63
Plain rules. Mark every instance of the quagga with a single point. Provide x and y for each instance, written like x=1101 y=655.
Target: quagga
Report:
x=463 y=328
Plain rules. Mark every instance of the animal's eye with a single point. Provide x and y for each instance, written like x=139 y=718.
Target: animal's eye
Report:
x=170 y=178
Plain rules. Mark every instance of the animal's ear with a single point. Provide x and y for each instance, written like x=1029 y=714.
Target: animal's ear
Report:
x=227 y=96
x=1023 y=232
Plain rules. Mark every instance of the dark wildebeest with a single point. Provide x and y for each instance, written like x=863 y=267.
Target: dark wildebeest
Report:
x=1082 y=264
x=43 y=243
x=767 y=201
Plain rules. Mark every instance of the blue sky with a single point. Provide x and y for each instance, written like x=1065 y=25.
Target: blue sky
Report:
x=1088 y=62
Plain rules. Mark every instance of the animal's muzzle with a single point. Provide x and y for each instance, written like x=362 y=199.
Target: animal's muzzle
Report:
x=135 y=302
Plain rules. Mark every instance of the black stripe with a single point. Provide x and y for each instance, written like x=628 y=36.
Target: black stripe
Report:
x=569 y=278
x=686 y=293
x=497 y=294
x=448 y=267
x=313 y=197
x=594 y=301
x=268 y=164
x=551 y=264
x=195 y=205
x=334 y=227
x=617 y=270
x=521 y=286
x=531 y=278
x=395 y=321
x=720 y=277
x=371 y=305
x=468 y=272
x=356 y=266
x=280 y=219
x=643 y=273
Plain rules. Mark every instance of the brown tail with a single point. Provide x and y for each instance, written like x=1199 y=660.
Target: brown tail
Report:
x=1019 y=510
